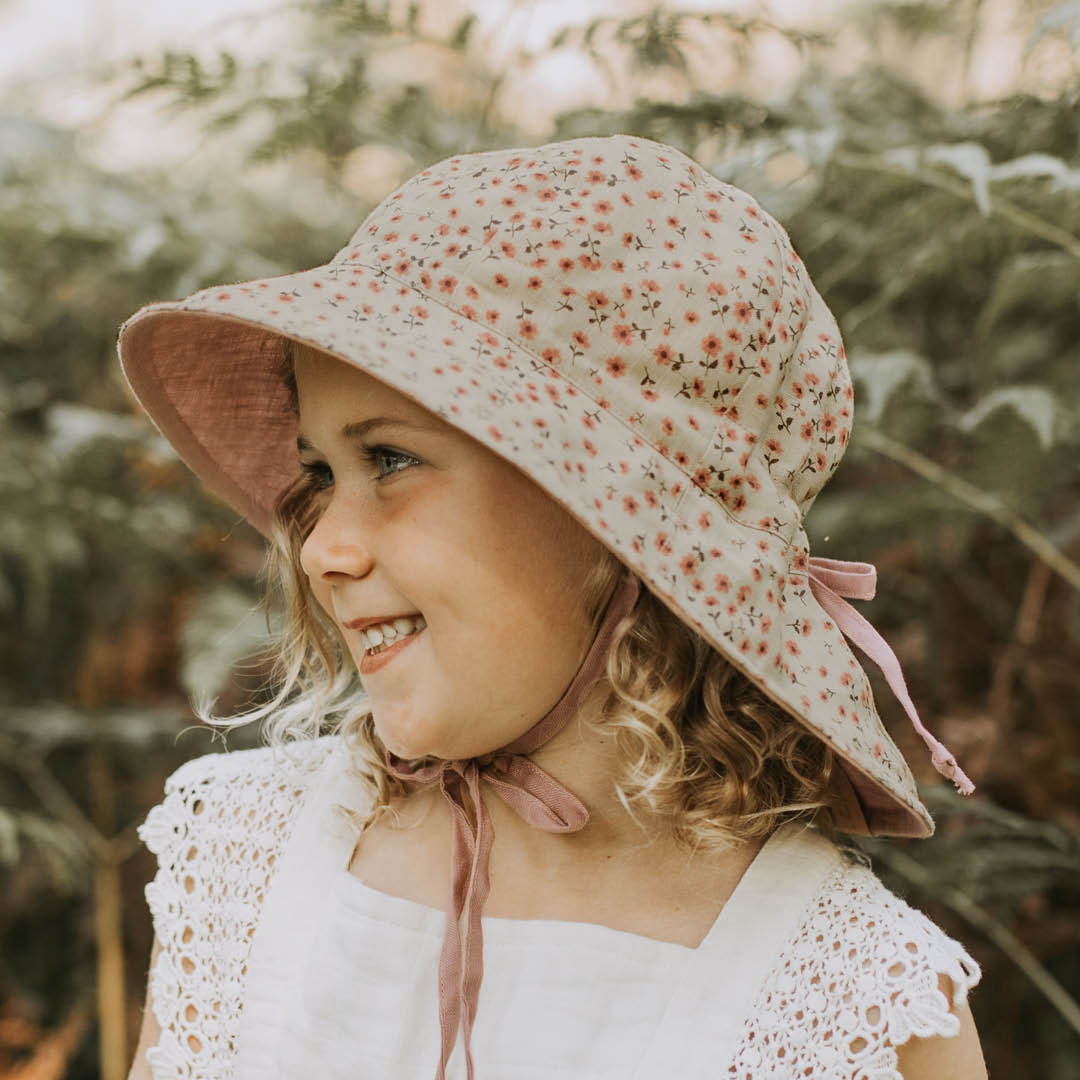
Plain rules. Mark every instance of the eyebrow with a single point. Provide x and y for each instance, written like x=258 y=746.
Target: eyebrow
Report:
x=359 y=428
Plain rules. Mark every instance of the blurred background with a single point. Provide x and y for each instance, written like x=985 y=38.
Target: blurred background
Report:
x=924 y=156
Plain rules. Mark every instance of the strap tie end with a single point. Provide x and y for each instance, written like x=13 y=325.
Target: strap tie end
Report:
x=946 y=765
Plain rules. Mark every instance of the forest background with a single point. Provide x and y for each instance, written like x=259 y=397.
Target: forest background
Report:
x=925 y=159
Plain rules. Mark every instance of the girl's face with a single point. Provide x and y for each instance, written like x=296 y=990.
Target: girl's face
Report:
x=416 y=518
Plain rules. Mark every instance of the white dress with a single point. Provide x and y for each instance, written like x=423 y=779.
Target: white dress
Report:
x=276 y=962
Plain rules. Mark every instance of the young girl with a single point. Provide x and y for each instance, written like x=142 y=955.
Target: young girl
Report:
x=534 y=451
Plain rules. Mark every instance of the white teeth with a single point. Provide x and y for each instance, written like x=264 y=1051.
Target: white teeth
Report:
x=387 y=633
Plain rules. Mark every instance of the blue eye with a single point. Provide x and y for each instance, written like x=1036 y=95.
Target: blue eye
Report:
x=318 y=474
x=377 y=454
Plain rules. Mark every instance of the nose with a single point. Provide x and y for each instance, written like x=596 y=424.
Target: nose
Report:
x=335 y=548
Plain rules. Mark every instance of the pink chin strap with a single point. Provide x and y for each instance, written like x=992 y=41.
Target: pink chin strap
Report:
x=534 y=795
x=540 y=800
x=831 y=579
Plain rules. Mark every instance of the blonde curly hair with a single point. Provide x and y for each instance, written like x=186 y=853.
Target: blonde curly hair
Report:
x=698 y=744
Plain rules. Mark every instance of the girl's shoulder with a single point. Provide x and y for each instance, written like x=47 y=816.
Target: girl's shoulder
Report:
x=217 y=834
x=862 y=973
x=239 y=778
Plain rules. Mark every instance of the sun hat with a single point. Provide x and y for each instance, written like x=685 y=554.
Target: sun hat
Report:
x=642 y=341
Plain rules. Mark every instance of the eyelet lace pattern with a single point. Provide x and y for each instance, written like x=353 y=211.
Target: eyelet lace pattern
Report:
x=217 y=835
x=859 y=979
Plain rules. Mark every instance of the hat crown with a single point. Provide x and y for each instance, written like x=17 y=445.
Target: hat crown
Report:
x=624 y=267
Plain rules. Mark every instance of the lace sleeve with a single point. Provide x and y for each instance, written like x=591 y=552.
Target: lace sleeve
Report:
x=216 y=835
x=859 y=979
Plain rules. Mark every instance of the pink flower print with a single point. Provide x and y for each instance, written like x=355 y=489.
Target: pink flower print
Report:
x=501 y=361
x=595 y=176
x=555 y=243
x=492 y=316
x=654 y=194
x=627 y=239
x=792 y=647
x=590 y=449
x=616 y=366
x=828 y=423
x=704 y=521
x=738 y=503
x=688 y=564
x=597 y=299
x=692 y=317
x=716 y=288
x=601 y=227
x=617 y=265
x=451 y=250
x=667 y=426
x=508 y=249
x=721 y=583
x=501 y=280
x=568 y=290
x=448 y=284
x=623 y=334
x=734 y=336
x=672 y=221
x=711 y=344
x=566 y=264
x=425 y=279
x=627 y=292
x=402 y=266
x=633 y=172
x=649 y=285
x=800 y=562
x=535 y=283
x=821 y=462
x=551 y=355
x=649 y=394
x=762 y=648
x=807 y=431
x=743 y=311
x=663 y=544
x=630 y=504
x=495 y=433
x=701 y=478
x=527 y=329
x=651 y=499
x=591 y=262
x=472 y=292
x=580 y=339
x=773 y=446
x=682 y=459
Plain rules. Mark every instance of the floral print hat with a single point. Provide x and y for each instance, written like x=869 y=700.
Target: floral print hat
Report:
x=641 y=340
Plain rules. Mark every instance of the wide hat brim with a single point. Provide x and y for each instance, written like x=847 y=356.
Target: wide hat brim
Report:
x=208 y=370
